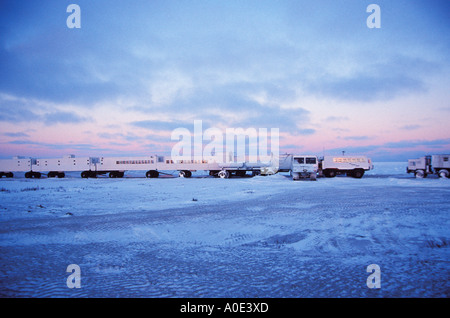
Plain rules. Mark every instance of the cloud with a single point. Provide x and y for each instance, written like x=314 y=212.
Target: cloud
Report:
x=398 y=150
x=159 y=125
x=366 y=87
x=16 y=134
x=411 y=127
x=19 y=109
x=436 y=143
x=356 y=138
x=336 y=118
x=62 y=117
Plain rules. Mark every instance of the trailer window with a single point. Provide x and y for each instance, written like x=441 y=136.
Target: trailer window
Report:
x=311 y=160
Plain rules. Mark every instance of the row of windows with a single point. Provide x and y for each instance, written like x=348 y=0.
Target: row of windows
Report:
x=348 y=160
x=168 y=161
x=188 y=161
x=308 y=160
x=134 y=162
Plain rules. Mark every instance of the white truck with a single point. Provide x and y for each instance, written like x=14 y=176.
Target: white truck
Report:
x=354 y=166
x=304 y=167
x=434 y=164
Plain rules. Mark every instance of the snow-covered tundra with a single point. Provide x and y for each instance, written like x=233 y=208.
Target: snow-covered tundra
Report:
x=263 y=236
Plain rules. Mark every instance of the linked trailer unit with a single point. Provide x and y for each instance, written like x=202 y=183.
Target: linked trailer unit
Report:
x=153 y=165
x=16 y=164
x=330 y=166
x=115 y=167
x=434 y=164
x=56 y=167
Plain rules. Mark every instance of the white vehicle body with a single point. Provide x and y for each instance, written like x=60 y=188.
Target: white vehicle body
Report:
x=55 y=167
x=354 y=166
x=434 y=164
x=304 y=167
x=115 y=167
x=16 y=164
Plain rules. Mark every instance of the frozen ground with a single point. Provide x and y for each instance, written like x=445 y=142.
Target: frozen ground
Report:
x=238 y=237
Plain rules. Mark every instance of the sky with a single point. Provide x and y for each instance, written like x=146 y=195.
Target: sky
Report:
x=136 y=70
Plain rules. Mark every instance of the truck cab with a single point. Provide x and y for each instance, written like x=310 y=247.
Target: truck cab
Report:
x=304 y=167
x=434 y=164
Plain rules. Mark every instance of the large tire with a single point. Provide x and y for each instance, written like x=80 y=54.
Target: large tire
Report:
x=28 y=175
x=358 y=173
x=420 y=174
x=223 y=174
x=85 y=174
x=61 y=175
x=152 y=174
x=329 y=173
x=444 y=173
x=9 y=175
x=185 y=174
x=37 y=175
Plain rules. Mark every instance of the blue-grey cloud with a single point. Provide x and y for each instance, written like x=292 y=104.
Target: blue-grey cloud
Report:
x=356 y=138
x=62 y=117
x=388 y=150
x=16 y=134
x=410 y=127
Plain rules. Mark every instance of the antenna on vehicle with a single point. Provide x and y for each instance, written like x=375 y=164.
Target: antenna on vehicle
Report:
x=343 y=152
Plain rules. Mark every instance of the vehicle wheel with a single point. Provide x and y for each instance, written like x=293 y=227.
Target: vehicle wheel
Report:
x=9 y=175
x=223 y=174
x=443 y=173
x=85 y=174
x=61 y=175
x=152 y=174
x=313 y=176
x=329 y=173
x=28 y=175
x=420 y=174
x=182 y=174
x=37 y=175
x=358 y=174
x=113 y=174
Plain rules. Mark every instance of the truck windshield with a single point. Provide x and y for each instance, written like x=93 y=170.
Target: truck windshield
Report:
x=311 y=160
x=300 y=160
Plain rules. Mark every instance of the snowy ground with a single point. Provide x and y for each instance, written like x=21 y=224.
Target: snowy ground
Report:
x=238 y=237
